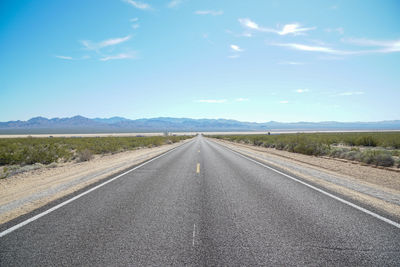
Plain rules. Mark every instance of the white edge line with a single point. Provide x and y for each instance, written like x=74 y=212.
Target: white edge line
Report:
x=395 y=224
x=34 y=218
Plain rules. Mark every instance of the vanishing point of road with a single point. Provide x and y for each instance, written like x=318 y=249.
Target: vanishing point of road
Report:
x=200 y=204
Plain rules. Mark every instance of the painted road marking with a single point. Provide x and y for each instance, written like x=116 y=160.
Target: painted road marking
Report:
x=34 y=218
x=194 y=234
x=198 y=168
x=395 y=224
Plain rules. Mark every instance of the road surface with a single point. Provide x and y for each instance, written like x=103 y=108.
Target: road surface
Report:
x=202 y=205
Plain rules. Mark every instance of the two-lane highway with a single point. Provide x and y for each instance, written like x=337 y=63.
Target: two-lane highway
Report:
x=202 y=204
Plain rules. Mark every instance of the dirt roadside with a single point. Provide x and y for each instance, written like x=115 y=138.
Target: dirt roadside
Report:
x=25 y=192
x=375 y=187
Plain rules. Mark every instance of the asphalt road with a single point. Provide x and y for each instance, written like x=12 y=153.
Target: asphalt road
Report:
x=202 y=204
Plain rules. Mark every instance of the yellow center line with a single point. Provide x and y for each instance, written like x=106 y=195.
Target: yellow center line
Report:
x=198 y=168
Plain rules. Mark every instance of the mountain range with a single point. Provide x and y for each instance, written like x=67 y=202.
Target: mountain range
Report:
x=80 y=124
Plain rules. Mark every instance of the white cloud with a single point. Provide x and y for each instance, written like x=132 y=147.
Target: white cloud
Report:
x=119 y=56
x=71 y=58
x=284 y=102
x=64 y=57
x=249 y=24
x=294 y=28
x=351 y=93
x=382 y=46
x=300 y=91
x=109 y=42
x=134 y=20
x=114 y=41
x=233 y=56
x=310 y=48
x=174 y=3
x=209 y=12
x=213 y=101
x=236 y=48
x=241 y=99
x=135 y=26
x=138 y=5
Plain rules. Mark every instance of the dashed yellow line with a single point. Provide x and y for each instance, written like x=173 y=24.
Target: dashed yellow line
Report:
x=198 y=168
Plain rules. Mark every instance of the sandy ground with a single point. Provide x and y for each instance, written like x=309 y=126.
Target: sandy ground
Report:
x=24 y=192
x=379 y=188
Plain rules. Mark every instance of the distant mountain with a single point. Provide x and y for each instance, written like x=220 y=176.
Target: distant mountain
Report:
x=110 y=120
x=80 y=124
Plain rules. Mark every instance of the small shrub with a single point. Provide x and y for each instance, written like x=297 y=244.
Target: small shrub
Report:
x=280 y=145
x=384 y=159
x=4 y=173
x=366 y=141
x=52 y=165
x=267 y=145
x=377 y=157
x=290 y=147
x=338 y=152
x=353 y=155
x=257 y=142
x=85 y=155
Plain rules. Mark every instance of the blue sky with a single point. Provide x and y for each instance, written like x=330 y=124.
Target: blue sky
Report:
x=245 y=60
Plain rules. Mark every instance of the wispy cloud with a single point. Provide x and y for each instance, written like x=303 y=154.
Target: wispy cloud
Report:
x=209 y=12
x=284 y=102
x=72 y=58
x=300 y=91
x=119 y=56
x=236 y=48
x=64 y=57
x=138 y=5
x=351 y=93
x=294 y=28
x=233 y=56
x=380 y=47
x=241 y=99
x=174 y=3
x=212 y=101
x=135 y=24
x=109 y=42
x=114 y=41
x=311 y=48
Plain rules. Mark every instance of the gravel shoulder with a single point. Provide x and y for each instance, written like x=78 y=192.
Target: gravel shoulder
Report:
x=375 y=187
x=25 y=192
